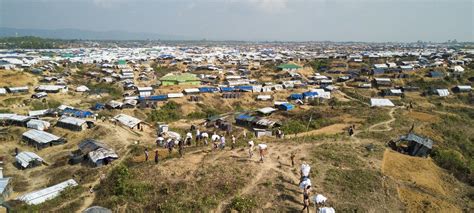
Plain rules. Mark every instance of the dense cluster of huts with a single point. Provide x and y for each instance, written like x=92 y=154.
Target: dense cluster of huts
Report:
x=224 y=70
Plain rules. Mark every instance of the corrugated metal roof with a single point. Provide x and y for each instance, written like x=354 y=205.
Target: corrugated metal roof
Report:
x=3 y=184
x=419 y=139
x=72 y=121
x=40 y=136
x=40 y=196
x=102 y=153
x=24 y=158
x=127 y=120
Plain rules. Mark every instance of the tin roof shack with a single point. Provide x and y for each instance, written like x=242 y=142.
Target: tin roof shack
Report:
x=383 y=82
x=94 y=152
x=416 y=145
x=40 y=196
x=72 y=123
x=14 y=119
x=28 y=160
x=127 y=120
x=462 y=88
x=41 y=139
x=52 y=88
x=392 y=92
x=5 y=186
x=23 y=89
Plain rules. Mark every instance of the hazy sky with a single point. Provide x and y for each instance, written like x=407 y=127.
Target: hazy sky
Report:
x=296 y=20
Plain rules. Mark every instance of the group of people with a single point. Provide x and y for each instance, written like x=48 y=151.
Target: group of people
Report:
x=305 y=184
x=262 y=149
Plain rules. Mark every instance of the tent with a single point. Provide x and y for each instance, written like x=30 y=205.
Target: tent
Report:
x=380 y=102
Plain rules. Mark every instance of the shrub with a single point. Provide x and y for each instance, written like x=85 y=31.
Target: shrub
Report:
x=243 y=204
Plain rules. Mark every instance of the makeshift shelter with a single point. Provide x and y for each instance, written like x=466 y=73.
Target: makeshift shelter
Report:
x=38 y=124
x=442 y=92
x=72 y=123
x=5 y=186
x=41 y=139
x=266 y=110
x=286 y=106
x=97 y=209
x=28 y=160
x=462 y=88
x=51 y=88
x=95 y=152
x=40 y=196
x=264 y=97
x=82 y=88
x=296 y=96
x=380 y=102
x=418 y=145
x=128 y=120
x=14 y=119
x=245 y=120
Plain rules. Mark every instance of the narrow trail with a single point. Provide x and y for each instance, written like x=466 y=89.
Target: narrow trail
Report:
x=90 y=197
x=384 y=123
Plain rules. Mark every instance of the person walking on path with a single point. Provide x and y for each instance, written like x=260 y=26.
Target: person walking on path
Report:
x=251 y=144
x=292 y=158
x=170 y=146
x=156 y=156
x=181 y=148
x=222 y=144
x=306 y=193
x=262 y=148
x=351 y=131
x=233 y=142
x=146 y=154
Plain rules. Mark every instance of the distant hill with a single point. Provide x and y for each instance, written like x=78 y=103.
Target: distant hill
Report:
x=86 y=34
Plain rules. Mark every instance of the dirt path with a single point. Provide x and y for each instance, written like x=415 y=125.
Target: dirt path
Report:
x=89 y=197
x=387 y=128
x=331 y=129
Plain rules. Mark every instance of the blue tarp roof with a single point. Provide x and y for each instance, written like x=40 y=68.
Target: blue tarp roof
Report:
x=154 y=98
x=286 y=106
x=244 y=117
x=77 y=113
x=309 y=94
x=244 y=88
x=98 y=106
x=226 y=89
x=296 y=96
x=208 y=89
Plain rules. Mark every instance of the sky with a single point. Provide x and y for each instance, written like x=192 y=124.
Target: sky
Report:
x=267 y=20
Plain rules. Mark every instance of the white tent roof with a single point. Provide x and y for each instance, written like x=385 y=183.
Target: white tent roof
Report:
x=381 y=102
x=442 y=92
x=40 y=196
x=267 y=110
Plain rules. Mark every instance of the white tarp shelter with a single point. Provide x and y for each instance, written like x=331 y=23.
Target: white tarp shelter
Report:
x=40 y=196
x=38 y=124
x=381 y=102
x=442 y=92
